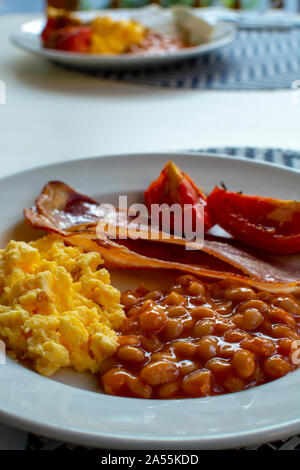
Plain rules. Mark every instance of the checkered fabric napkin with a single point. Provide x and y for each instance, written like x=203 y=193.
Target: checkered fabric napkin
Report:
x=12 y=438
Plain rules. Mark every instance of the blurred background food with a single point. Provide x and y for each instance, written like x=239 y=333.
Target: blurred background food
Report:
x=236 y=4
x=21 y=6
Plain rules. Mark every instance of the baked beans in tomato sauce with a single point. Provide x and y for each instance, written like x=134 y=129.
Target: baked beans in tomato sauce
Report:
x=201 y=339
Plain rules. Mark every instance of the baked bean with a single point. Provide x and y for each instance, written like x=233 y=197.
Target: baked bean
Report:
x=147 y=305
x=252 y=319
x=178 y=288
x=201 y=339
x=138 y=388
x=176 y=311
x=108 y=364
x=128 y=339
x=258 y=375
x=153 y=320
x=198 y=384
x=128 y=299
x=217 y=291
x=283 y=331
x=130 y=354
x=186 y=367
x=188 y=323
x=150 y=342
x=281 y=316
x=226 y=350
x=243 y=363
x=220 y=368
x=239 y=294
x=288 y=304
x=168 y=390
x=163 y=356
x=196 y=288
x=207 y=348
x=276 y=366
x=173 y=328
x=174 y=298
x=203 y=328
x=153 y=295
x=266 y=326
x=114 y=381
x=257 y=304
x=233 y=383
x=142 y=291
x=197 y=301
x=224 y=308
x=185 y=280
x=249 y=320
x=133 y=312
x=159 y=373
x=261 y=347
x=221 y=326
x=266 y=297
x=285 y=346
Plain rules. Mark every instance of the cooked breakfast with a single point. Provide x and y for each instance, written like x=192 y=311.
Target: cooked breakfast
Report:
x=201 y=339
x=230 y=321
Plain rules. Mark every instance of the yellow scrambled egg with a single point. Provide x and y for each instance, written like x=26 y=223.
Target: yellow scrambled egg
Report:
x=57 y=307
x=114 y=37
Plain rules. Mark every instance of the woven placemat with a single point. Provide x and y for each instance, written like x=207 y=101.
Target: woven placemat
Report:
x=256 y=60
x=288 y=158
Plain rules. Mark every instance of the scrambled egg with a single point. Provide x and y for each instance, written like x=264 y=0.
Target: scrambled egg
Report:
x=57 y=307
x=114 y=37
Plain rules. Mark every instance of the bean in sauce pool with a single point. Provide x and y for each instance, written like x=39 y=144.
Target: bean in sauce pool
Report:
x=201 y=339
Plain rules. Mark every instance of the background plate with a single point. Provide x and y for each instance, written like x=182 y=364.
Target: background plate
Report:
x=71 y=411
x=28 y=37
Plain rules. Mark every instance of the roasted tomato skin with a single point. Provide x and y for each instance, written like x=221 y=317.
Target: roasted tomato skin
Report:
x=55 y=23
x=72 y=39
x=174 y=186
x=270 y=224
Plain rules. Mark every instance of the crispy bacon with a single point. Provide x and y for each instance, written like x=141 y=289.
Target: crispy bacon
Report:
x=73 y=216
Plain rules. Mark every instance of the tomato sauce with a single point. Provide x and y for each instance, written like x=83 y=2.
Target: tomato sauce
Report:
x=202 y=339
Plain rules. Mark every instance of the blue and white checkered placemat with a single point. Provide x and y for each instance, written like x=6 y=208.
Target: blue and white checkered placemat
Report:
x=255 y=60
x=288 y=158
x=284 y=157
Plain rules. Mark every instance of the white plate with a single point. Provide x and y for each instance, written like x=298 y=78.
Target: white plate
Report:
x=67 y=407
x=28 y=37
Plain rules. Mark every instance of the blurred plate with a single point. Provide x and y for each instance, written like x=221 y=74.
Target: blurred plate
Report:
x=27 y=37
x=70 y=406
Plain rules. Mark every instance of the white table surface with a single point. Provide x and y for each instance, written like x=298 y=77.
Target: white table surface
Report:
x=53 y=115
